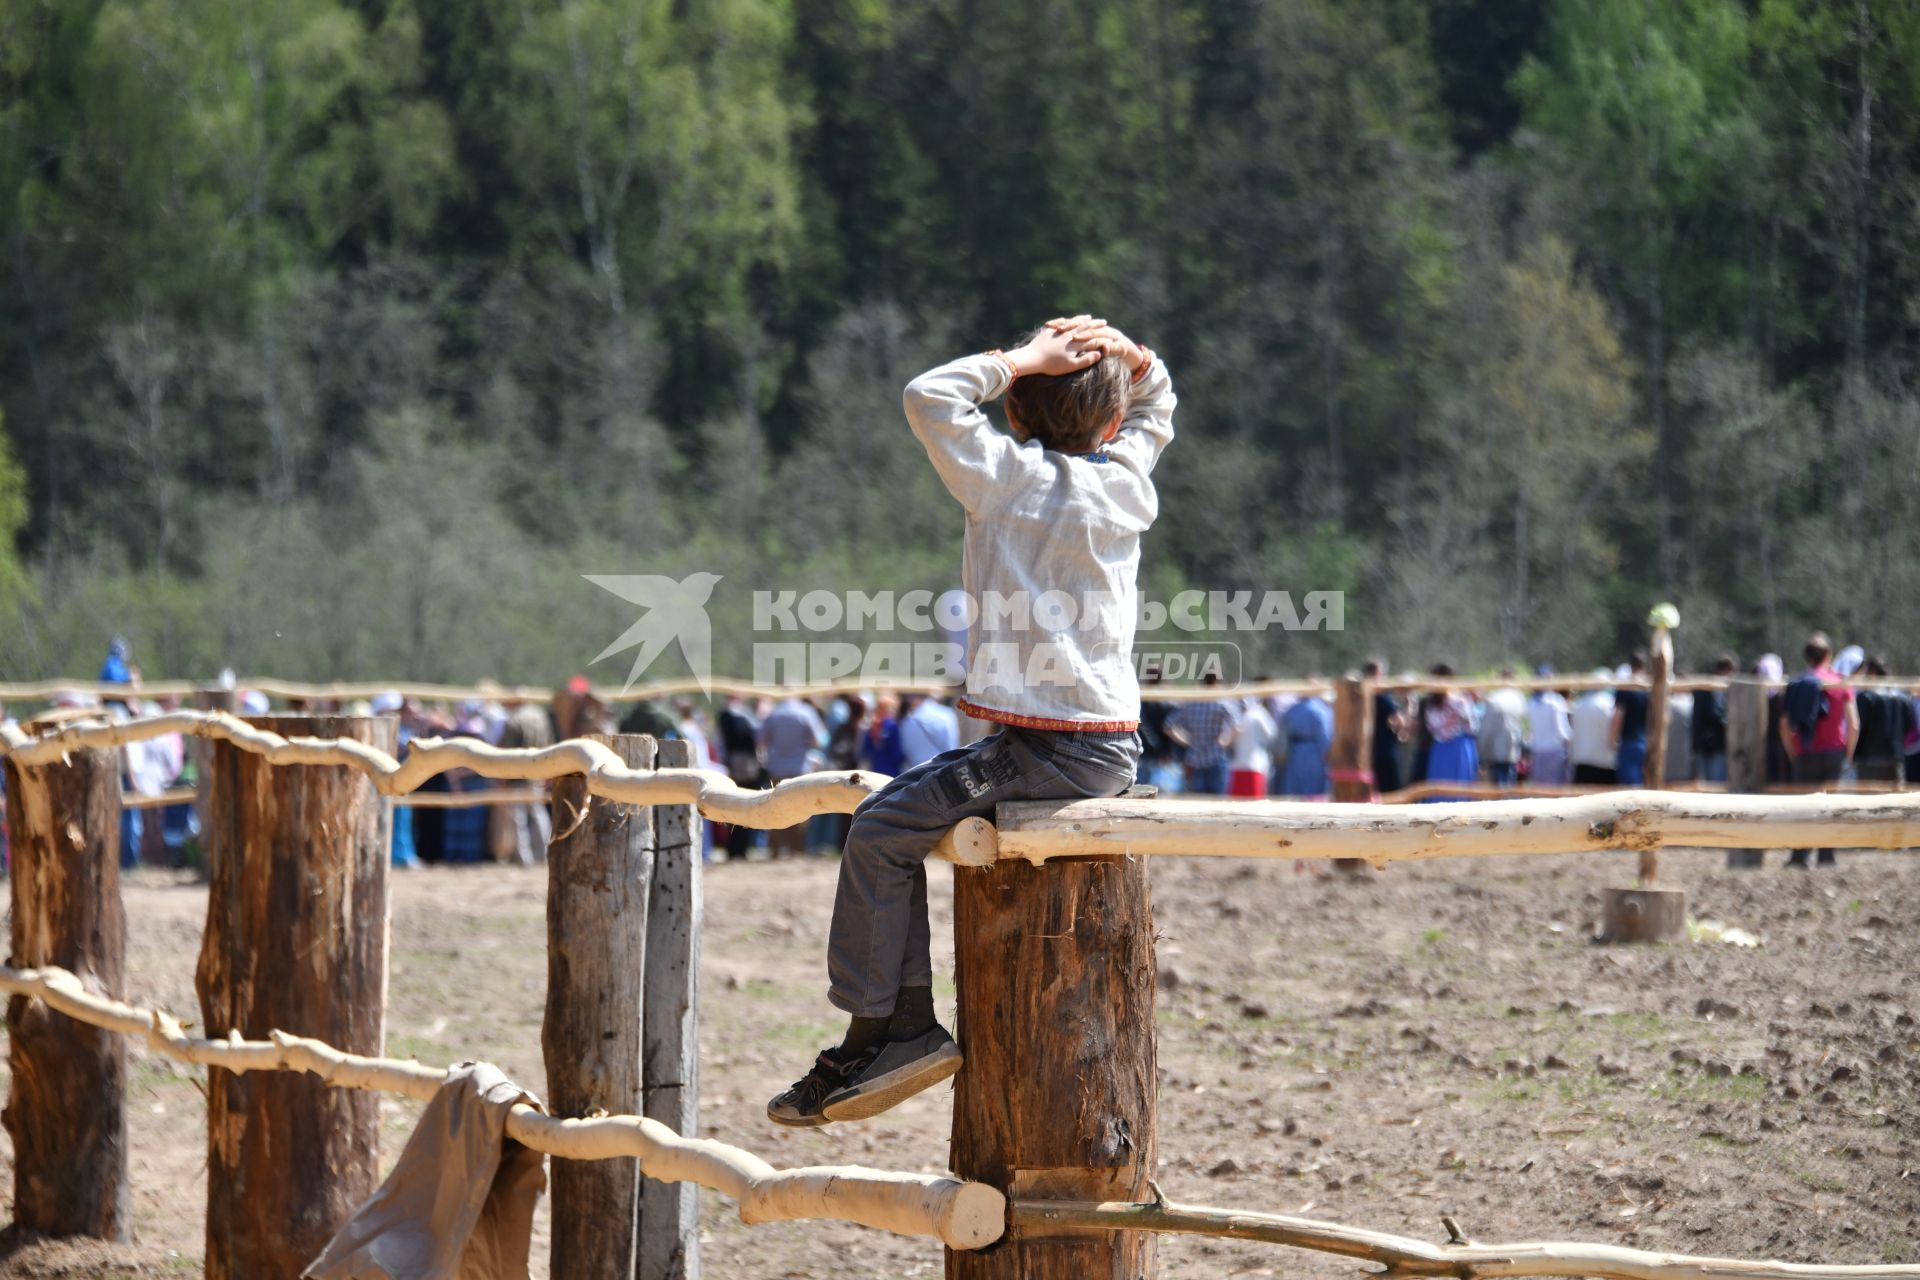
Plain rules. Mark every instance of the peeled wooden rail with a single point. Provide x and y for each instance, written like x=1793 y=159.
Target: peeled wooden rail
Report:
x=1380 y=833
x=964 y=1215
x=717 y=796
x=1404 y=1256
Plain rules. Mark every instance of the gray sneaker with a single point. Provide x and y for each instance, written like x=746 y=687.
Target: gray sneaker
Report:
x=901 y=1069
x=799 y=1106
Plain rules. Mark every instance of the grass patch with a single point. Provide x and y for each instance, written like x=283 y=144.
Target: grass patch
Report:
x=1705 y=1088
x=807 y=1034
x=428 y=1049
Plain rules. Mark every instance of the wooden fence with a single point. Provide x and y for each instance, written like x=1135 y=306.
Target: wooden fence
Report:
x=1052 y=1164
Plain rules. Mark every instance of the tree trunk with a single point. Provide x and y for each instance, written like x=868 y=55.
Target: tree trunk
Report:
x=296 y=940
x=599 y=871
x=670 y=1211
x=1058 y=1096
x=67 y=1106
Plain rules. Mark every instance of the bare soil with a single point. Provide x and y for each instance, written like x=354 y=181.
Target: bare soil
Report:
x=1439 y=1039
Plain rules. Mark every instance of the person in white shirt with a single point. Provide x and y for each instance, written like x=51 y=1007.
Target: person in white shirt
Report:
x=1591 y=746
x=1055 y=508
x=1250 y=754
x=1549 y=731
x=1502 y=733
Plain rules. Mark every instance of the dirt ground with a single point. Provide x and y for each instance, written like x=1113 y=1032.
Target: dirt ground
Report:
x=1440 y=1039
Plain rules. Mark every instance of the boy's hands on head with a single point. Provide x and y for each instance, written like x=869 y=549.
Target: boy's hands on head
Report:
x=1055 y=351
x=1089 y=334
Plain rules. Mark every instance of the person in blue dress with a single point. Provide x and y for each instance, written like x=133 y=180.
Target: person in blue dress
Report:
x=1448 y=720
x=1308 y=725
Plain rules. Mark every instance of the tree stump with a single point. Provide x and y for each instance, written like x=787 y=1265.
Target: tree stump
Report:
x=66 y=1108
x=1058 y=1098
x=599 y=873
x=1644 y=915
x=296 y=941
x=1747 y=731
x=670 y=1211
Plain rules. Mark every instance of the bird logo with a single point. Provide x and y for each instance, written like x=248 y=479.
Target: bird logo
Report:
x=675 y=612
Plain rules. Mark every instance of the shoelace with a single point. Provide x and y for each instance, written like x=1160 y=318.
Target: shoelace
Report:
x=829 y=1073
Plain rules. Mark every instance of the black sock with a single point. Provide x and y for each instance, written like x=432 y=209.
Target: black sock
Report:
x=864 y=1034
x=912 y=1014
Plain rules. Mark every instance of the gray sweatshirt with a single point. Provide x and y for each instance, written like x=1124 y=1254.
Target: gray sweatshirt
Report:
x=1052 y=549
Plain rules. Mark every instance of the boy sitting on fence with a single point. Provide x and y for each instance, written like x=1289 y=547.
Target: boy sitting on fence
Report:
x=1054 y=511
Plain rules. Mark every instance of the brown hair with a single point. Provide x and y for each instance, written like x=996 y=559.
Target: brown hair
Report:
x=1818 y=649
x=1068 y=413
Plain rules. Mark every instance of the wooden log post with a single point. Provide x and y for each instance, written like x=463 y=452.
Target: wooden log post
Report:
x=200 y=750
x=599 y=872
x=1747 y=731
x=1057 y=1100
x=1350 y=759
x=66 y=1108
x=296 y=940
x=1659 y=696
x=1645 y=913
x=670 y=1211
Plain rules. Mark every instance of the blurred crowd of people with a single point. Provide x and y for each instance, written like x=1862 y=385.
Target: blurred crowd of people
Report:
x=1820 y=730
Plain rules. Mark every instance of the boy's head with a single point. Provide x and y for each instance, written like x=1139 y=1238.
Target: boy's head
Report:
x=1818 y=649
x=1073 y=412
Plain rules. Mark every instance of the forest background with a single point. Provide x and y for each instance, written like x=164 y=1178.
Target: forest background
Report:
x=339 y=338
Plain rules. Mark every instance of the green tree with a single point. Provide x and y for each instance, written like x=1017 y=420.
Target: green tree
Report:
x=1645 y=109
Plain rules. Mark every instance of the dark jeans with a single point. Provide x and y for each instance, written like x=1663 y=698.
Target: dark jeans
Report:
x=1817 y=766
x=1503 y=774
x=880 y=941
x=1631 y=771
x=1207 y=779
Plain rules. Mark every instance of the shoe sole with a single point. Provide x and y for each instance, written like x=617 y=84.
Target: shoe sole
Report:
x=797 y=1122
x=890 y=1090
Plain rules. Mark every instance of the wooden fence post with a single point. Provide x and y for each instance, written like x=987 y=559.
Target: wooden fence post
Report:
x=1058 y=1097
x=296 y=940
x=599 y=869
x=670 y=1211
x=1350 y=759
x=66 y=1108
x=1660 y=668
x=1746 y=752
x=200 y=750
x=1645 y=913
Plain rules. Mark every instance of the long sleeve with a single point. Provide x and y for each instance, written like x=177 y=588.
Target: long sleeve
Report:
x=943 y=408
x=1147 y=429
